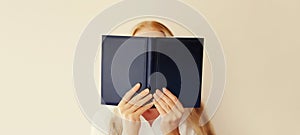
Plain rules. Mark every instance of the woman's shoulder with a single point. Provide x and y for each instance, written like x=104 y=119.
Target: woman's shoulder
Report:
x=102 y=118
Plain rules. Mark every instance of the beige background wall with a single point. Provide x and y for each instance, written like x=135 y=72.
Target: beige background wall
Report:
x=259 y=37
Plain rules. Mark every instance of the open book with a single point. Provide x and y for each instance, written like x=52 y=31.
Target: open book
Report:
x=155 y=62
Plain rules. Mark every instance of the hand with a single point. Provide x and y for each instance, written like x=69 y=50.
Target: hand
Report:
x=170 y=109
x=131 y=108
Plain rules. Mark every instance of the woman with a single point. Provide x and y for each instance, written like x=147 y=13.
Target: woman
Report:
x=167 y=116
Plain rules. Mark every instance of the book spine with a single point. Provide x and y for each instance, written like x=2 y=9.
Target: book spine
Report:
x=149 y=61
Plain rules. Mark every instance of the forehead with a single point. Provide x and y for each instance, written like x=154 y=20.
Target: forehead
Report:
x=149 y=32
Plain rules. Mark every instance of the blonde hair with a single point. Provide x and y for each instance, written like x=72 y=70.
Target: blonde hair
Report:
x=194 y=116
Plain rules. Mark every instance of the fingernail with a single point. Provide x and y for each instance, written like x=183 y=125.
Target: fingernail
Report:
x=164 y=89
x=158 y=92
x=146 y=90
x=137 y=84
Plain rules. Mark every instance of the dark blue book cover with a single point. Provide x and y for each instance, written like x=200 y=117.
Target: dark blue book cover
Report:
x=156 y=62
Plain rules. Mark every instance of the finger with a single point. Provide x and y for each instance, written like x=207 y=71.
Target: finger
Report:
x=139 y=96
x=170 y=95
x=141 y=110
x=137 y=105
x=129 y=94
x=174 y=99
x=166 y=99
x=159 y=101
x=144 y=100
x=134 y=100
x=159 y=108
